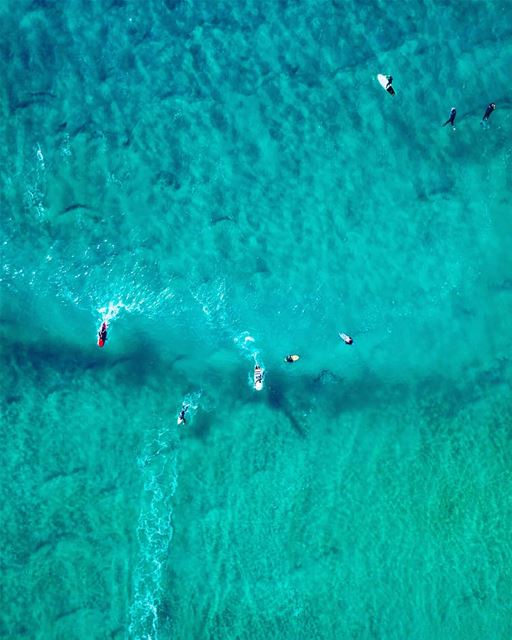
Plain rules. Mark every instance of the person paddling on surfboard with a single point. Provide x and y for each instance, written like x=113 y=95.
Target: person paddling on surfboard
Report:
x=292 y=358
x=258 y=377
x=102 y=334
x=388 y=87
x=451 y=119
x=386 y=83
x=181 y=417
x=490 y=108
x=346 y=339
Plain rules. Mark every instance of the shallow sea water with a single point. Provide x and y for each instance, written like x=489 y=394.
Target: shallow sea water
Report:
x=228 y=182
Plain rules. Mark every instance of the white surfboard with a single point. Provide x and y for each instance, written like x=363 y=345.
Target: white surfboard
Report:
x=383 y=81
x=258 y=378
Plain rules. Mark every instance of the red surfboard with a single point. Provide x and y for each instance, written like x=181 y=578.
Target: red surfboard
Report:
x=103 y=328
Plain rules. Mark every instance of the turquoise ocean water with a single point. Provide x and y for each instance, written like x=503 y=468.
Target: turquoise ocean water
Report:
x=202 y=173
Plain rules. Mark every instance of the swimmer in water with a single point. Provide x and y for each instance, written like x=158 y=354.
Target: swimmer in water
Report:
x=389 y=88
x=490 y=108
x=346 y=339
x=102 y=334
x=293 y=358
x=451 y=119
x=181 y=417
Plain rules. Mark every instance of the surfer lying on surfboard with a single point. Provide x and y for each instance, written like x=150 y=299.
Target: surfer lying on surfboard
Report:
x=386 y=82
x=490 y=108
x=451 y=119
x=258 y=377
x=181 y=417
x=292 y=358
x=346 y=339
x=102 y=334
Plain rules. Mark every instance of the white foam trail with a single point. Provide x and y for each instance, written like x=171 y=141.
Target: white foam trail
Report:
x=191 y=400
x=36 y=186
x=247 y=345
x=40 y=157
x=158 y=464
x=111 y=311
x=215 y=308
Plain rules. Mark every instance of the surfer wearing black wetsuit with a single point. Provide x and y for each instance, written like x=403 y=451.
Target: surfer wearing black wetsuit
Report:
x=389 y=88
x=488 y=111
x=182 y=413
x=451 y=119
x=102 y=333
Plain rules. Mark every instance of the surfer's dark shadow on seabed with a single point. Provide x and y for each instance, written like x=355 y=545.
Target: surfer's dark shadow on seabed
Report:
x=277 y=399
x=201 y=425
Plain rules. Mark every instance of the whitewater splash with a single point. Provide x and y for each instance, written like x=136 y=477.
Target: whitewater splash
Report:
x=112 y=310
x=137 y=299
